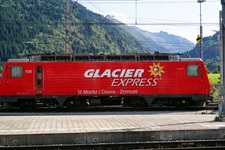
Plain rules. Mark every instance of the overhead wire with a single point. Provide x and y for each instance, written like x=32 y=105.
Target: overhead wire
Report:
x=172 y=22
x=145 y=20
x=181 y=23
x=142 y=1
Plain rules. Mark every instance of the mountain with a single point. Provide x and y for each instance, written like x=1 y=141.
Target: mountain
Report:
x=38 y=26
x=146 y=41
x=162 y=41
x=170 y=42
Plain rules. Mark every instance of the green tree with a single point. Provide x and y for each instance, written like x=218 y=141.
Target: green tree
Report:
x=216 y=70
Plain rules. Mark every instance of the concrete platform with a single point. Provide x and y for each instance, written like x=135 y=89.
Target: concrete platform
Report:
x=23 y=129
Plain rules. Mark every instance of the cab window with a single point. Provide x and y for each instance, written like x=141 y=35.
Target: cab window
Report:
x=194 y=70
x=15 y=72
x=39 y=77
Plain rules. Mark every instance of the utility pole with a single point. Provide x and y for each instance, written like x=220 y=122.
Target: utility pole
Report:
x=201 y=41
x=221 y=93
x=68 y=26
x=135 y=12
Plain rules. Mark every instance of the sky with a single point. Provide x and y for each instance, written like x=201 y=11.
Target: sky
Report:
x=178 y=17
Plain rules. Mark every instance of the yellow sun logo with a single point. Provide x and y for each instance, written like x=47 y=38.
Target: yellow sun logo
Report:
x=156 y=70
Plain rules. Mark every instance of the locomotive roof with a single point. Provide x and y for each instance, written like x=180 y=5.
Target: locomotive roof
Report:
x=105 y=57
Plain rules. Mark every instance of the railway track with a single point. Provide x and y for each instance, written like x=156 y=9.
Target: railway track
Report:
x=173 y=145
x=112 y=109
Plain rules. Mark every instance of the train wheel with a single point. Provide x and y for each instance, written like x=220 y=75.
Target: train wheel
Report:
x=182 y=103
x=27 y=105
x=7 y=105
x=76 y=103
x=71 y=104
x=138 y=102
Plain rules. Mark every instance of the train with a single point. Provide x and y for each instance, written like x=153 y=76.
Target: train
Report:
x=87 y=80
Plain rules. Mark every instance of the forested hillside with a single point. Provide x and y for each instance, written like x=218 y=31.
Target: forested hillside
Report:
x=211 y=52
x=38 y=26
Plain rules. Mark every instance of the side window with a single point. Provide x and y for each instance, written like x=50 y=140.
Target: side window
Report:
x=194 y=70
x=15 y=72
x=39 y=76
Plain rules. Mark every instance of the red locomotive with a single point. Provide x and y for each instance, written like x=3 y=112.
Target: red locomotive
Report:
x=81 y=80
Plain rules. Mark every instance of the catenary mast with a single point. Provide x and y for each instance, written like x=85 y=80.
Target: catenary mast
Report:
x=67 y=26
x=222 y=64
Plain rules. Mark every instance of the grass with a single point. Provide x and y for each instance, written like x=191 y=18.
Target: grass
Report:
x=214 y=80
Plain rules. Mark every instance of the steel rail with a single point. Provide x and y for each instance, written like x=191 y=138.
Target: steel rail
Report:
x=192 y=145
